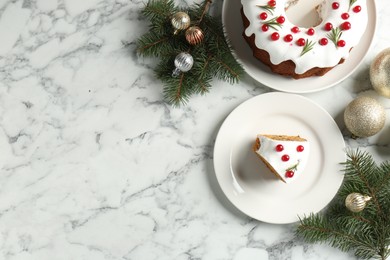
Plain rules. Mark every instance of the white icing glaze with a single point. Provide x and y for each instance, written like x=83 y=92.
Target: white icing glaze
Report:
x=268 y=152
x=320 y=56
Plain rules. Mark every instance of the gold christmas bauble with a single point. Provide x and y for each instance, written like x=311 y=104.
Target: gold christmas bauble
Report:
x=364 y=116
x=380 y=73
x=180 y=21
x=194 y=35
x=356 y=202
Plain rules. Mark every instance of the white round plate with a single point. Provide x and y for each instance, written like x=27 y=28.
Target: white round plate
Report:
x=250 y=185
x=232 y=21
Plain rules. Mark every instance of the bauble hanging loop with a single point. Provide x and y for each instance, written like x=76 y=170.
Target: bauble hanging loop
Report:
x=180 y=21
x=194 y=35
x=183 y=63
x=356 y=202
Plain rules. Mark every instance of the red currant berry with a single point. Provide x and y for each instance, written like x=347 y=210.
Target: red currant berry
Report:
x=272 y=3
x=275 y=36
x=285 y=158
x=300 y=148
x=280 y=19
x=345 y=16
x=357 y=9
x=341 y=43
x=263 y=16
x=310 y=31
x=335 y=5
x=324 y=41
x=301 y=42
x=295 y=29
x=289 y=174
x=288 y=38
x=328 y=26
x=265 y=27
x=279 y=148
x=346 y=26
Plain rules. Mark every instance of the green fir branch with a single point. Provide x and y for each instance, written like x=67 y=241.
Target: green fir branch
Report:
x=157 y=11
x=316 y=228
x=203 y=72
x=205 y=8
x=177 y=90
x=149 y=45
x=366 y=233
x=384 y=170
x=224 y=68
x=308 y=47
x=361 y=167
x=212 y=58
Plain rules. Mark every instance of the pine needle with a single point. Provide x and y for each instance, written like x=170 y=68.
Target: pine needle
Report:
x=366 y=233
x=212 y=57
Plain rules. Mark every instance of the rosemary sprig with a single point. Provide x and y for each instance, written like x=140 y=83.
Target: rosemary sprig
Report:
x=269 y=9
x=351 y=2
x=273 y=23
x=335 y=34
x=308 y=47
x=294 y=167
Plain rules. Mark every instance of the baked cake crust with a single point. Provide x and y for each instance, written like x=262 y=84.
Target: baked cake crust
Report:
x=256 y=147
x=285 y=68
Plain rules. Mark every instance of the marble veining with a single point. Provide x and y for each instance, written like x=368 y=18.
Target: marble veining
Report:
x=94 y=164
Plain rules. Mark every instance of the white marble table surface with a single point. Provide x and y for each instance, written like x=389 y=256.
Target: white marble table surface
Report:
x=94 y=165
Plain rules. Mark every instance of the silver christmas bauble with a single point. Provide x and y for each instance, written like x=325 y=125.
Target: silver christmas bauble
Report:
x=364 y=116
x=380 y=73
x=356 y=202
x=183 y=63
x=180 y=21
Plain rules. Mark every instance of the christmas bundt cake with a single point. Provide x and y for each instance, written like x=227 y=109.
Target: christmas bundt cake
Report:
x=301 y=52
x=286 y=156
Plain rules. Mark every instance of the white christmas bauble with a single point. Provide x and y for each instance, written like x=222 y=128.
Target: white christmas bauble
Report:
x=183 y=63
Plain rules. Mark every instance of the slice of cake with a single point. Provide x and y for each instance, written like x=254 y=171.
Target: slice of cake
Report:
x=286 y=156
